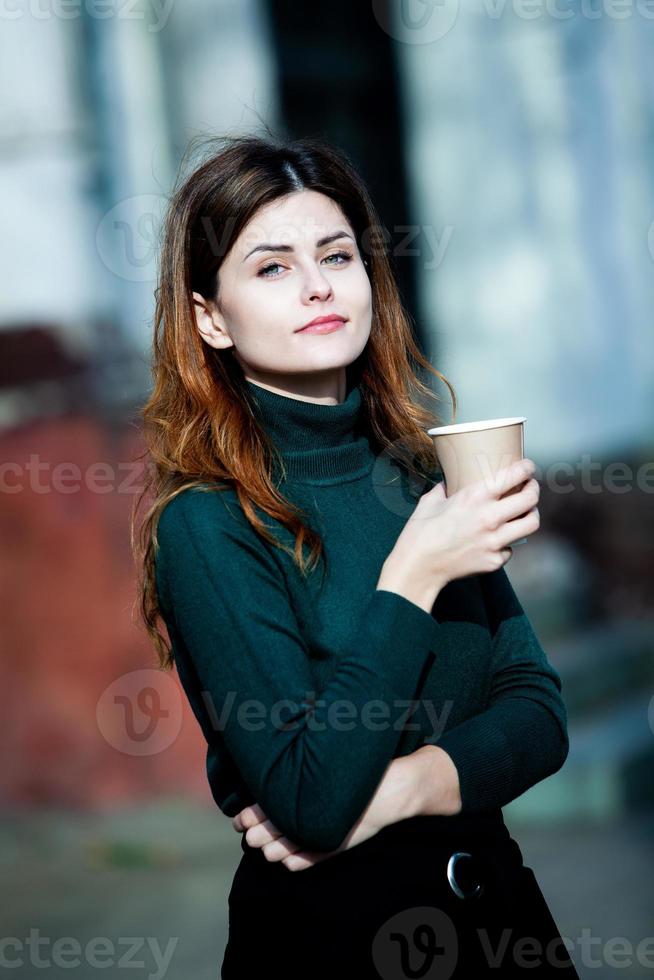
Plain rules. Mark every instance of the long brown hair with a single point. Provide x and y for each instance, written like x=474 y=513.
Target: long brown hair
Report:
x=198 y=427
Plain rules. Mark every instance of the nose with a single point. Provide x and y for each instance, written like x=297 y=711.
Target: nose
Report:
x=316 y=285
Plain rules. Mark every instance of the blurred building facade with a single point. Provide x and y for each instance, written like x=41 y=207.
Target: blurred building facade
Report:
x=529 y=227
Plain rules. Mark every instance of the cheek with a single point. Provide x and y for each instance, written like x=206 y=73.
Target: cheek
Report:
x=362 y=303
x=267 y=341
x=259 y=320
x=361 y=291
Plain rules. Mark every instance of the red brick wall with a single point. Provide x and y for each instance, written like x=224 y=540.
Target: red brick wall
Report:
x=67 y=585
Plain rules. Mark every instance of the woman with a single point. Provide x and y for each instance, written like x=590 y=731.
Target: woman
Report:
x=368 y=706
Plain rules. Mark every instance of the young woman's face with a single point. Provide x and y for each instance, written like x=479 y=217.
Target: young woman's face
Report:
x=277 y=277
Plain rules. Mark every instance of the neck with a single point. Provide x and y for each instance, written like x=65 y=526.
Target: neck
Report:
x=329 y=389
x=318 y=442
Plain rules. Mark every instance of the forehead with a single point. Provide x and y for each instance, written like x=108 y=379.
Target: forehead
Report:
x=298 y=219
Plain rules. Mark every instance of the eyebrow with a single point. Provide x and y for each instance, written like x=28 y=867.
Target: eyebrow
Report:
x=265 y=247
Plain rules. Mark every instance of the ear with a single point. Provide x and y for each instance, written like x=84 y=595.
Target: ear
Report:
x=210 y=324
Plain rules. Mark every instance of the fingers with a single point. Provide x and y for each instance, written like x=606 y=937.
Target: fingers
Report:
x=509 y=477
x=262 y=833
x=279 y=849
x=257 y=812
x=519 y=528
x=304 y=859
x=249 y=816
x=435 y=496
x=516 y=504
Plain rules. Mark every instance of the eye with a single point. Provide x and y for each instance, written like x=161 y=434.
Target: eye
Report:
x=343 y=255
x=346 y=256
x=271 y=265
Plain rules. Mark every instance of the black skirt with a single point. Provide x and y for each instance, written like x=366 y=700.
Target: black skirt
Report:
x=428 y=897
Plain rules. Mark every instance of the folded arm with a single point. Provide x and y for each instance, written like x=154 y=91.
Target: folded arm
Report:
x=521 y=738
x=230 y=619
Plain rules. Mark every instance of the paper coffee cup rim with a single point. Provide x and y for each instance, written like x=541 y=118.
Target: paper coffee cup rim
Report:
x=443 y=430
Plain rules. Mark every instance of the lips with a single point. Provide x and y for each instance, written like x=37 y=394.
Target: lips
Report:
x=325 y=326
x=334 y=319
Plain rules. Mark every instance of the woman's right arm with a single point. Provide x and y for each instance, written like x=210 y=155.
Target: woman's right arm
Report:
x=312 y=768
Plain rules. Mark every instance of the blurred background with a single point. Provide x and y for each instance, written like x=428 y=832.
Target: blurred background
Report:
x=509 y=147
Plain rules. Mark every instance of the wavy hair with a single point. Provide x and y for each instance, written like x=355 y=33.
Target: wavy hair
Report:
x=198 y=427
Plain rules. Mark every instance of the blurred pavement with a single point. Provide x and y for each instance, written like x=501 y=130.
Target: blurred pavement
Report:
x=162 y=873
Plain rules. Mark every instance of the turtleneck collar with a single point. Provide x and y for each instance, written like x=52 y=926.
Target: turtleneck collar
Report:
x=319 y=444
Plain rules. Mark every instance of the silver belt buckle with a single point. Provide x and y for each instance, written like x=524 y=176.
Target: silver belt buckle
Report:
x=454 y=885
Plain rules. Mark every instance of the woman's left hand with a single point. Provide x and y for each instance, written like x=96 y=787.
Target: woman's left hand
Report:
x=394 y=799
x=261 y=832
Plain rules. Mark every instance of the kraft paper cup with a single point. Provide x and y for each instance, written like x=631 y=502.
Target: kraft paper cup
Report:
x=472 y=451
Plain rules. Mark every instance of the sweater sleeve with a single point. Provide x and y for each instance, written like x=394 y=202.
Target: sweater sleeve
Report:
x=521 y=737
x=226 y=602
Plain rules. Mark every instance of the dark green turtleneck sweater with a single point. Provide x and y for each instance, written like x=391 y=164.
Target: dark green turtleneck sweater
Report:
x=305 y=689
